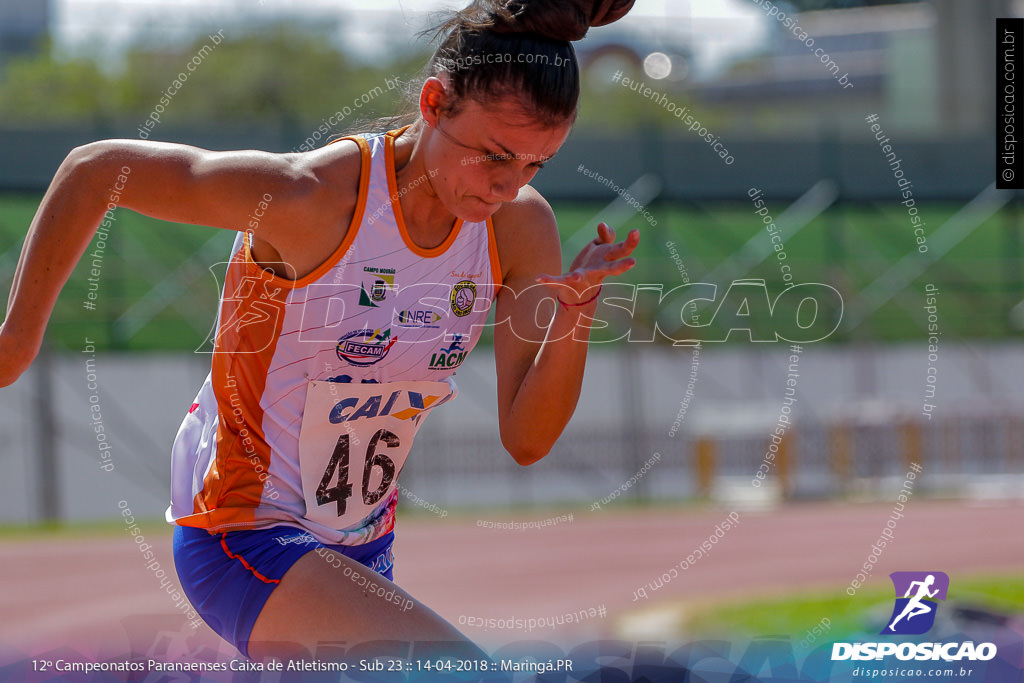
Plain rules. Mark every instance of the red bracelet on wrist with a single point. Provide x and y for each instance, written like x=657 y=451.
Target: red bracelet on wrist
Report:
x=582 y=303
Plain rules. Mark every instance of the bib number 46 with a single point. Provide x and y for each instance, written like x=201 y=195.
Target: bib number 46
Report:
x=339 y=462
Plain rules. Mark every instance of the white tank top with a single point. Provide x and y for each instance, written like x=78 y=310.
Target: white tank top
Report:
x=318 y=384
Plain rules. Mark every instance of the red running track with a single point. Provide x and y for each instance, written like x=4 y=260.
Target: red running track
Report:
x=90 y=594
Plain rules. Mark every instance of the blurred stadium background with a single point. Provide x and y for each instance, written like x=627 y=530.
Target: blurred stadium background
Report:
x=72 y=71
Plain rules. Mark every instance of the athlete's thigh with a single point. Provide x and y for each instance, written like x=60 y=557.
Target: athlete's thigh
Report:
x=327 y=597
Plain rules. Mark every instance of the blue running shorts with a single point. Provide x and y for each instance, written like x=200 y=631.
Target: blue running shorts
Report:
x=228 y=577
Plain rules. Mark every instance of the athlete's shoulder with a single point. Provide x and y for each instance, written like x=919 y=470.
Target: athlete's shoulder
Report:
x=311 y=209
x=334 y=169
x=529 y=209
x=526 y=233
x=324 y=192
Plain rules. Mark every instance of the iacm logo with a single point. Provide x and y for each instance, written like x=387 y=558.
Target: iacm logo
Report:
x=452 y=355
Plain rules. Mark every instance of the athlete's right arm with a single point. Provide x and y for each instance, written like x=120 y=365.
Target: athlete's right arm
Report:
x=166 y=181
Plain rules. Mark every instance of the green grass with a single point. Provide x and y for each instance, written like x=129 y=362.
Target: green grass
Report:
x=797 y=613
x=849 y=247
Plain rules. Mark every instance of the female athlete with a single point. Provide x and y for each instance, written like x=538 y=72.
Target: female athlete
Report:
x=361 y=275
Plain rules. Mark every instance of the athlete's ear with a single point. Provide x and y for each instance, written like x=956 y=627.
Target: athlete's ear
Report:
x=433 y=98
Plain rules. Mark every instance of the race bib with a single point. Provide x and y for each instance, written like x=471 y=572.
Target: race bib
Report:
x=354 y=441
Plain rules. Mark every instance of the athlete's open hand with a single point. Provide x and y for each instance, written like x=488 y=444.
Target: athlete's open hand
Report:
x=601 y=258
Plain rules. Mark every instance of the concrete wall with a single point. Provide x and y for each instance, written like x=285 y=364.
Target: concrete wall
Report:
x=630 y=409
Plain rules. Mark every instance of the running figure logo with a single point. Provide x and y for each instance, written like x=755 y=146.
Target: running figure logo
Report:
x=456 y=344
x=914 y=613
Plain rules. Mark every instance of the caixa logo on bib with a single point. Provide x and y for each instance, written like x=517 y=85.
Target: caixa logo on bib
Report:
x=913 y=614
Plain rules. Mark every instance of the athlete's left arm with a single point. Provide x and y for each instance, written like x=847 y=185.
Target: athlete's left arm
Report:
x=540 y=348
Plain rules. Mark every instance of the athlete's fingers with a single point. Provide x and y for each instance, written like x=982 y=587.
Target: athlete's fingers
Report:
x=626 y=246
x=596 y=248
x=623 y=248
x=621 y=266
x=594 y=257
x=582 y=281
x=614 y=267
x=571 y=276
x=551 y=279
x=571 y=279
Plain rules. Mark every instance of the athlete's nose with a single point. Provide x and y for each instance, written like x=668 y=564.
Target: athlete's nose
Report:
x=505 y=184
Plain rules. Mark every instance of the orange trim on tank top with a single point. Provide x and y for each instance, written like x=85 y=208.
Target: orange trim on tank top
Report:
x=396 y=205
x=350 y=235
x=224 y=544
x=492 y=250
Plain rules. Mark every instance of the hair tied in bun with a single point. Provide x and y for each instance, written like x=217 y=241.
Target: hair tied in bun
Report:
x=519 y=52
x=608 y=11
x=557 y=19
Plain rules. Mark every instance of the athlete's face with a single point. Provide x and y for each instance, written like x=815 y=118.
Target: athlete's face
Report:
x=484 y=155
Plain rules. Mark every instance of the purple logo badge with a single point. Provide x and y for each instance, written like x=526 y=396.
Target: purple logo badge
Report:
x=914 y=612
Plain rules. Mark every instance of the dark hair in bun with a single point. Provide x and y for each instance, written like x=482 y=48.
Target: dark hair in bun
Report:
x=558 y=20
x=496 y=49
